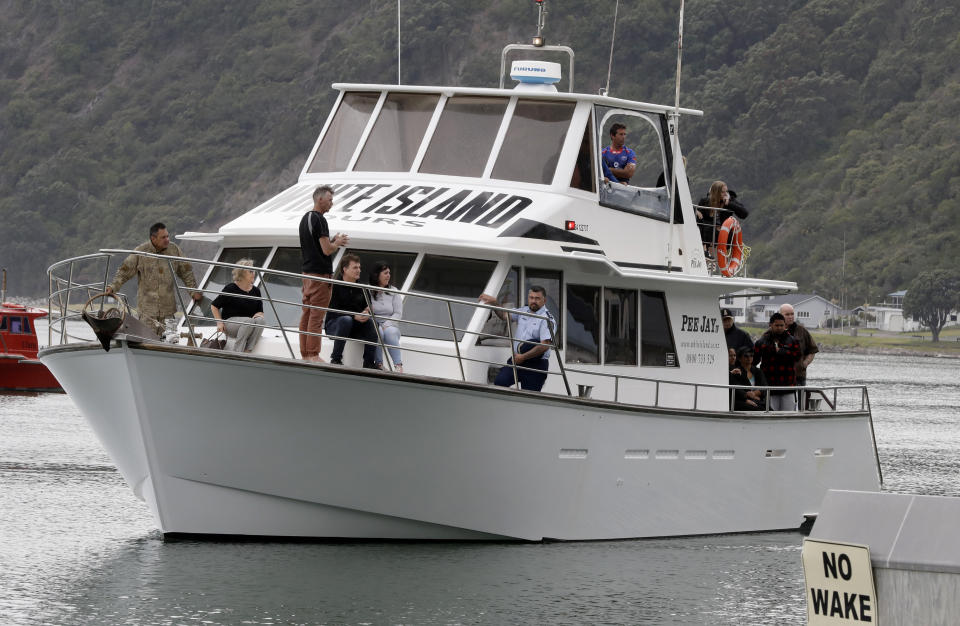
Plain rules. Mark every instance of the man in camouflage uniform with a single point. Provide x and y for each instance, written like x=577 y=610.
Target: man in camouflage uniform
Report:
x=155 y=286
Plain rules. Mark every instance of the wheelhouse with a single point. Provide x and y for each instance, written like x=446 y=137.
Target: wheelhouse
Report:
x=541 y=138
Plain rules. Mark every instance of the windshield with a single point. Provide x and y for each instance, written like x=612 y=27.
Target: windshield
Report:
x=344 y=133
x=395 y=139
x=532 y=146
x=464 y=137
x=456 y=136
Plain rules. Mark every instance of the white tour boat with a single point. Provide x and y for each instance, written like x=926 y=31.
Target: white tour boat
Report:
x=466 y=191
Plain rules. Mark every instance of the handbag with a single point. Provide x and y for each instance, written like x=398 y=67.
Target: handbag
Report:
x=216 y=341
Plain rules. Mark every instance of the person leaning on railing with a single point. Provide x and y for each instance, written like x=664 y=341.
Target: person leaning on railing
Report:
x=710 y=219
x=236 y=316
x=155 y=286
x=527 y=349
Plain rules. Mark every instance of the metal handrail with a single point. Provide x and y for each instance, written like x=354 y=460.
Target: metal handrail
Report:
x=60 y=314
x=107 y=254
x=714 y=231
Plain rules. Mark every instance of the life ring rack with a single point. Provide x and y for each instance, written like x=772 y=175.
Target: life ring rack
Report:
x=731 y=253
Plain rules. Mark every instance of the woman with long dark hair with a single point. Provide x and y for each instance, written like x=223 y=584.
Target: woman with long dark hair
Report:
x=387 y=308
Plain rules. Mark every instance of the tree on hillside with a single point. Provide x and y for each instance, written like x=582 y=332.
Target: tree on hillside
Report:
x=931 y=297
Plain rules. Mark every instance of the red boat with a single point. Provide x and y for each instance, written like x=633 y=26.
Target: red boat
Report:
x=19 y=368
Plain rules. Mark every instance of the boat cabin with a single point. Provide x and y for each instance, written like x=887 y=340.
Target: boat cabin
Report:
x=17 y=332
x=464 y=191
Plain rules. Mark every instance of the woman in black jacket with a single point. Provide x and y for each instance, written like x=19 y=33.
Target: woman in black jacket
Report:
x=748 y=376
x=718 y=206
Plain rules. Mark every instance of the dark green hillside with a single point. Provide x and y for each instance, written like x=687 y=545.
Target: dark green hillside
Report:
x=833 y=120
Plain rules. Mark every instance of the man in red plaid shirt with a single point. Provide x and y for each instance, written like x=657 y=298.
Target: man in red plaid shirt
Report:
x=777 y=352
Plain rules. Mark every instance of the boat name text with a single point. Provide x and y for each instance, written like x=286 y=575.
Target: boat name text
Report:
x=699 y=324
x=360 y=201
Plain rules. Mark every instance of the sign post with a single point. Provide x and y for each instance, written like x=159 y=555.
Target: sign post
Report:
x=839 y=583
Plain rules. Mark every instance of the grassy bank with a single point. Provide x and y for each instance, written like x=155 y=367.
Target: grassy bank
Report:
x=874 y=341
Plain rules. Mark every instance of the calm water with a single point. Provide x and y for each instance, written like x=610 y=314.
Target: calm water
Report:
x=76 y=547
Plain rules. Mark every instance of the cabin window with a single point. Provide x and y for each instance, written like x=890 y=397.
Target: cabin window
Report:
x=584 y=171
x=464 y=136
x=494 y=331
x=657 y=347
x=220 y=277
x=400 y=264
x=3 y=323
x=340 y=141
x=583 y=324
x=511 y=296
x=396 y=136
x=285 y=288
x=450 y=277
x=533 y=141
x=617 y=326
x=551 y=282
x=620 y=326
x=646 y=192
x=16 y=325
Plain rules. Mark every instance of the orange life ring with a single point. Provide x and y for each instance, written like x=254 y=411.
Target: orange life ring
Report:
x=730 y=247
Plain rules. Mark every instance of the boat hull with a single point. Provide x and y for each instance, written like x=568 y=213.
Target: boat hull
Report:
x=219 y=444
x=21 y=374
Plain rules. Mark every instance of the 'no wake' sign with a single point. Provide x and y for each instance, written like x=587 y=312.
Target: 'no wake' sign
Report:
x=839 y=583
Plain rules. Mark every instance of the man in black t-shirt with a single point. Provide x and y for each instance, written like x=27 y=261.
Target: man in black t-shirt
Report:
x=316 y=249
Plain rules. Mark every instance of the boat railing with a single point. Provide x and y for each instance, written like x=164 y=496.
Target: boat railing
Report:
x=710 y=226
x=63 y=308
x=64 y=305
x=71 y=286
x=809 y=398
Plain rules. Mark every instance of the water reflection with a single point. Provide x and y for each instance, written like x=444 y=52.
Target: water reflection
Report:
x=704 y=580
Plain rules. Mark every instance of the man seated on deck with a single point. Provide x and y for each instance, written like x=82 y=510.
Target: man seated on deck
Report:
x=529 y=329
x=355 y=322
x=621 y=160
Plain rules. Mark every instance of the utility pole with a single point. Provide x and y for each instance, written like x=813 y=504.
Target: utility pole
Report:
x=843 y=282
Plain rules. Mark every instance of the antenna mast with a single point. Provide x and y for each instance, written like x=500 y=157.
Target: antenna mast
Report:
x=398 y=42
x=541 y=16
x=674 y=142
x=613 y=37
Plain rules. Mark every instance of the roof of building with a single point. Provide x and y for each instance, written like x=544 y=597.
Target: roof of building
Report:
x=794 y=299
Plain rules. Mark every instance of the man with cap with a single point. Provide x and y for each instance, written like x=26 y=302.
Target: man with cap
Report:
x=736 y=337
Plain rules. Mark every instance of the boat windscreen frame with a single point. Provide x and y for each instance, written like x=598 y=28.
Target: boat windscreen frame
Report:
x=651 y=202
x=505 y=124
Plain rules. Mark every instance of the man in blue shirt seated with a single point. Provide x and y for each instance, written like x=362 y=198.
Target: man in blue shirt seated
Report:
x=621 y=160
x=529 y=329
